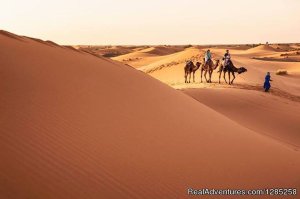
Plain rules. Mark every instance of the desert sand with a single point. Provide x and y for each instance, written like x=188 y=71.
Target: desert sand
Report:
x=274 y=114
x=260 y=59
x=75 y=125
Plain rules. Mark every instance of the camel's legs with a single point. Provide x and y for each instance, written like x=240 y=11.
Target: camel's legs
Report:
x=185 y=77
x=190 y=77
x=224 y=76
x=210 y=74
x=193 y=76
x=229 y=77
x=201 y=74
x=221 y=70
x=205 y=75
x=233 y=77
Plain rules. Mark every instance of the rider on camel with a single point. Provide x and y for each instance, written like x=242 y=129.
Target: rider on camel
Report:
x=227 y=58
x=207 y=56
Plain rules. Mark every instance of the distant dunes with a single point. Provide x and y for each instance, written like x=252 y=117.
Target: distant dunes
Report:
x=261 y=48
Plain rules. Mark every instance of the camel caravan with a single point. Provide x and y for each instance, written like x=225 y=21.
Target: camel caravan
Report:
x=208 y=66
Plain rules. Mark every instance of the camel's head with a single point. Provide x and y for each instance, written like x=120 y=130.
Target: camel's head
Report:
x=217 y=62
x=241 y=70
x=198 y=64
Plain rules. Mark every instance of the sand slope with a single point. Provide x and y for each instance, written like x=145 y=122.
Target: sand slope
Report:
x=107 y=51
x=173 y=60
x=162 y=50
x=145 y=56
x=137 y=58
x=261 y=48
x=77 y=126
x=266 y=114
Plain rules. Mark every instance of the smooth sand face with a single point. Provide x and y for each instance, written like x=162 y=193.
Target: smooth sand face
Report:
x=77 y=126
x=273 y=116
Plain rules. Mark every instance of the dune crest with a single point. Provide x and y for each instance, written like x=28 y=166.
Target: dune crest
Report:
x=162 y=50
x=261 y=48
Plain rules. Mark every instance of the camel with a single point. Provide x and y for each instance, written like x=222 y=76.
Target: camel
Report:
x=230 y=68
x=189 y=69
x=209 y=67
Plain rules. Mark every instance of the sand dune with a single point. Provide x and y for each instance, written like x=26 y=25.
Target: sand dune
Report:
x=146 y=56
x=173 y=59
x=288 y=56
x=295 y=46
x=285 y=47
x=77 y=126
x=261 y=50
x=134 y=55
x=233 y=47
x=10 y=35
x=162 y=50
x=137 y=59
x=107 y=51
x=273 y=116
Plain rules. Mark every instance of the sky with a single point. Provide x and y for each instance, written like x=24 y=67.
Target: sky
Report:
x=152 y=22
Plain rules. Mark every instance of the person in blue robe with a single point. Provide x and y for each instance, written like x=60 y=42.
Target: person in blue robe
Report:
x=267 y=84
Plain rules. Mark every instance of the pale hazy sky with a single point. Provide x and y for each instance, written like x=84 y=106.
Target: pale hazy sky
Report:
x=153 y=21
